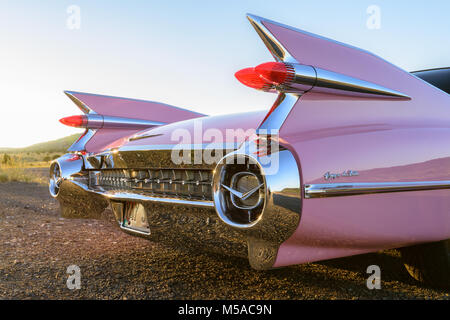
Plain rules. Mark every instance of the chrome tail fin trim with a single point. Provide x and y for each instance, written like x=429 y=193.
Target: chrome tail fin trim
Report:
x=351 y=189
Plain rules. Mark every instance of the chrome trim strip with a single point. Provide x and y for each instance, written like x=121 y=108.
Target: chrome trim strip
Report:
x=144 y=136
x=78 y=102
x=126 y=196
x=97 y=121
x=332 y=80
x=275 y=47
x=197 y=146
x=283 y=106
x=285 y=101
x=134 y=230
x=80 y=144
x=350 y=189
x=305 y=77
x=137 y=197
x=308 y=78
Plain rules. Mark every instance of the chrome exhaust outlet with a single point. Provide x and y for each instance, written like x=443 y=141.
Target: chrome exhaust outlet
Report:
x=259 y=196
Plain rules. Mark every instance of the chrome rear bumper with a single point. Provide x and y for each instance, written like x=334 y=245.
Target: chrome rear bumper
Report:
x=185 y=205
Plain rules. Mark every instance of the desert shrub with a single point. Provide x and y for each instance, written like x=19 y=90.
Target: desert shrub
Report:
x=7 y=160
x=3 y=177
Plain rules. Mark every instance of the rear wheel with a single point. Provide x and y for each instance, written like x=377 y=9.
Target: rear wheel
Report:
x=429 y=263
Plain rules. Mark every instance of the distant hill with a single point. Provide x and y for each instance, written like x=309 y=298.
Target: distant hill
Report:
x=59 y=145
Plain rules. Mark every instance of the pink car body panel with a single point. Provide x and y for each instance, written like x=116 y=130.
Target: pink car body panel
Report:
x=246 y=123
x=384 y=140
x=134 y=108
x=310 y=49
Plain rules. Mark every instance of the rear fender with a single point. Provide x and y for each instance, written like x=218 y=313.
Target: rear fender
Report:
x=377 y=139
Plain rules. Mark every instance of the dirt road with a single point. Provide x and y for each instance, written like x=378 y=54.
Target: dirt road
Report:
x=37 y=246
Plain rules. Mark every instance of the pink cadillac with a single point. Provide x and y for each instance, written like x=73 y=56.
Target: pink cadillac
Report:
x=353 y=157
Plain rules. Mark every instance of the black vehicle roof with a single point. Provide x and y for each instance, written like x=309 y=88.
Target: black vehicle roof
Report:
x=438 y=77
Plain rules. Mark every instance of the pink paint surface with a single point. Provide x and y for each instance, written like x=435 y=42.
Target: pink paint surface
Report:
x=206 y=129
x=133 y=108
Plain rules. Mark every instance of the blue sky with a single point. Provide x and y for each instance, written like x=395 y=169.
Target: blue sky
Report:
x=182 y=53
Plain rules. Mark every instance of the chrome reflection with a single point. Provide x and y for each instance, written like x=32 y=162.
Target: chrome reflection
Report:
x=75 y=201
x=97 y=121
x=275 y=198
x=304 y=78
x=329 y=80
x=55 y=179
x=80 y=143
x=135 y=218
x=274 y=46
x=126 y=196
x=252 y=186
x=194 y=228
x=309 y=78
x=78 y=102
x=64 y=168
x=282 y=107
x=229 y=197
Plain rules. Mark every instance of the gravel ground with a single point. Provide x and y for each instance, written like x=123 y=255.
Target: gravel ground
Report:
x=37 y=246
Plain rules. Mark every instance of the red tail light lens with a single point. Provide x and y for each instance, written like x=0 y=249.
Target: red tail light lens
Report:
x=266 y=76
x=250 y=78
x=264 y=145
x=74 y=121
x=274 y=72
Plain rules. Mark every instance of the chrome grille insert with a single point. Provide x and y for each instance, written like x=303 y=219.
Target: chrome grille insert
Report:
x=177 y=183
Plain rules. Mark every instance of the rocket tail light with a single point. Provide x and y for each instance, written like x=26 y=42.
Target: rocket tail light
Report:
x=250 y=78
x=98 y=121
x=267 y=76
x=277 y=73
x=78 y=121
x=299 y=78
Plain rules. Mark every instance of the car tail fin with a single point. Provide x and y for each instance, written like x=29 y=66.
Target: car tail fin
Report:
x=108 y=119
x=314 y=65
x=291 y=45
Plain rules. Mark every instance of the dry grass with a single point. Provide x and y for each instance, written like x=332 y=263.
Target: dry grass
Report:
x=23 y=167
x=20 y=174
